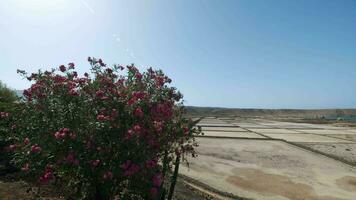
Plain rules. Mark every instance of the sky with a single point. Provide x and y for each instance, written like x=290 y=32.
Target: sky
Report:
x=297 y=54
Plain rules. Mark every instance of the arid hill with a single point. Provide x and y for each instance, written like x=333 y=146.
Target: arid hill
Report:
x=246 y=112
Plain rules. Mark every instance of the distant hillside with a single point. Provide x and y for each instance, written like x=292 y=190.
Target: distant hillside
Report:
x=211 y=111
x=249 y=112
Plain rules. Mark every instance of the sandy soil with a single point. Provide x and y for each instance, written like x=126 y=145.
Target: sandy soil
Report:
x=344 y=151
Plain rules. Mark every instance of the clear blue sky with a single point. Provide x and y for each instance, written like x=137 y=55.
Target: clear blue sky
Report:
x=249 y=54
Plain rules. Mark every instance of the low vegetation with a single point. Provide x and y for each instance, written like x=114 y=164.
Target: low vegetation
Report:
x=113 y=133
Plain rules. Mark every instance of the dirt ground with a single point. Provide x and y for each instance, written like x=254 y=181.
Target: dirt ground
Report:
x=293 y=161
x=11 y=188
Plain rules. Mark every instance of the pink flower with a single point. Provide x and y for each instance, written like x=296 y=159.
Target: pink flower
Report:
x=158 y=126
x=157 y=179
x=61 y=133
x=62 y=68
x=130 y=168
x=95 y=163
x=102 y=117
x=65 y=130
x=59 y=79
x=108 y=70
x=108 y=175
x=138 y=112
x=71 y=159
x=159 y=81
x=75 y=74
x=151 y=163
x=138 y=76
x=131 y=101
x=73 y=93
x=71 y=65
x=126 y=165
x=26 y=141
x=137 y=128
x=4 y=114
x=25 y=167
x=153 y=192
x=138 y=95
x=101 y=63
x=99 y=93
x=12 y=147
x=47 y=176
x=58 y=135
x=129 y=134
x=36 y=149
x=185 y=131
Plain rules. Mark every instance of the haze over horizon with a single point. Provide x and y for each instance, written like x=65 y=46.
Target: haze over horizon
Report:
x=236 y=54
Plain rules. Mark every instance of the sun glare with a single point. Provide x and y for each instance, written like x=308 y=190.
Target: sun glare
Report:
x=41 y=6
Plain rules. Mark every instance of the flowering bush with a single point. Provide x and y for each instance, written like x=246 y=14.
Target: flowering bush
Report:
x=110 y=135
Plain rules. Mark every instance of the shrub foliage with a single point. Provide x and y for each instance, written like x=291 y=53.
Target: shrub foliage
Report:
x=113 y=133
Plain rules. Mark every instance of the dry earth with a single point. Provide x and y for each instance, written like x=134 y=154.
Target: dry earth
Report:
x=267 y=159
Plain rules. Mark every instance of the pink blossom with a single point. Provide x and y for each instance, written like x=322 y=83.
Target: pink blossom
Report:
x=71 y=159
x=137 y=128
x=73 y=93
x=71 y=65
x=138 y=112
x=4 y=114
x=58 y=135
x=129 y=134
x=151 y=163
x=47 y=176
x=101 y=63
x=12 y=147
x=82 y=80
x=95 y=163
x=108 y=70
x=26 y=141
x=131 y=101
x=108 y=175
x=159 y=81
x=158 y=126
x=64 y=130
x=25 y=167
x=130 y=168
x=138 y=76
x=138 y=95
x=99 y=93
x=157 y=179
x=185 y=131
x=61 y=133
x=75 y=74
x=36 y=149
x=59 y=79
x=102 y=117
x=62 y=68
x=126 y=165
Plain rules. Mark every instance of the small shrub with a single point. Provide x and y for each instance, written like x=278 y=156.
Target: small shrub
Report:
x=110 y=135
